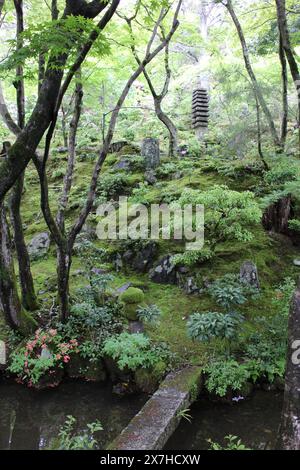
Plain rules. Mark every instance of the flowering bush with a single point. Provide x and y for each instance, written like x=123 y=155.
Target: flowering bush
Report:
x=41 y=355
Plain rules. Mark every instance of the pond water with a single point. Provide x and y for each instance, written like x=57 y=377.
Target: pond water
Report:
x=29 y=419
x=254 y=421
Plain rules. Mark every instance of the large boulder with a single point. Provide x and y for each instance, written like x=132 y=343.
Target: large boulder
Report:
x=39 y=246
x=150 y=152
x=141 y=260
x=165 y=272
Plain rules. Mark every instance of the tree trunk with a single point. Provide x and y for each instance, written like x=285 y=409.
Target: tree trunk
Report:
x=252 y=75
x=173 y=137
x=276 y=217
x=285 y=105
x=10 y=305
x=259 y=141
x=29 y=299
x=289 y=432
x=64 y=261
x=286 y=43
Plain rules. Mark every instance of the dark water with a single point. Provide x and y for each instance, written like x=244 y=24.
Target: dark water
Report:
x=255 y=421
x=29 y=419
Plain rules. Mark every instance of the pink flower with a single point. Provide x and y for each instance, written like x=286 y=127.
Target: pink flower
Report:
x=26 y=354
x=58 y=356
x=44 y=346
x=43 y=338
x=66 y=359
x=26 y=363
x=53 y=332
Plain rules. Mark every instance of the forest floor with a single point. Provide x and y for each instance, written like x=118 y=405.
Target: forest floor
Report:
x=273 y=255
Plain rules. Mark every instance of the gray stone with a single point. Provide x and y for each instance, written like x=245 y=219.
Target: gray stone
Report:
x=150 y=177
x=164 y=272
x=136 y=327
x=190 y=286
x=117 y=146
x=249 y=274
x=297 y=262
x=39 y=245
x=123 y=164
x=141 y=258
x=151 y=428
x=118 y=262
x=124 y=288
x=150 y=152
x=3 y=358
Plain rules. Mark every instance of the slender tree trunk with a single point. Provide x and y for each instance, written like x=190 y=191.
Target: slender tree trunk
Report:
x=64 y=261
x=64 y=126
x=173 y=135
x=10 y=305
x=252 y=75
x=289 y=432
x=29 y=300
x=285 y=105
x=290 y=55
x=42 y=70
x=259 y=140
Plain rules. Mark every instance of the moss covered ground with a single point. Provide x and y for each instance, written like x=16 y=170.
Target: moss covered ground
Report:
x=273 y=256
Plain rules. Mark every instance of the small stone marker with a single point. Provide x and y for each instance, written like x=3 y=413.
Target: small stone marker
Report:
x=46 y=354
x=2 y=353
x=249 y=274
x=150 y=152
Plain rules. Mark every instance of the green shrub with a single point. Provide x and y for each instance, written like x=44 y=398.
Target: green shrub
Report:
x=233 y=443
x=132 y=351
x=192 y=258
x=229 y=291
x=208 y=326
x=229 y=215
x=68 y=440
x=149 y=314
x=132 y=295
x=226 y=375
x=30 y=363
x=111 y=185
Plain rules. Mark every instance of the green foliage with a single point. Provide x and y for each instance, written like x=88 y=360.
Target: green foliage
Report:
x=229 y=291
x=192 y=258
x=233 y=443
x=92 y=325
x=229 y=215
x=43 y=353
x=112 y=184
x=224 y=375
x=132 y=295
x=294 y=224
x=69 y=440
x=208 y=326
x=283 y=296
x=149 y=314
x=281 y=173
x=133 y=351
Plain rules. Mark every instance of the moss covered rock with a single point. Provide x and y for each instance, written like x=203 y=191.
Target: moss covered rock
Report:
x=83 y=368
x=147 y=380
x=132 y=298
